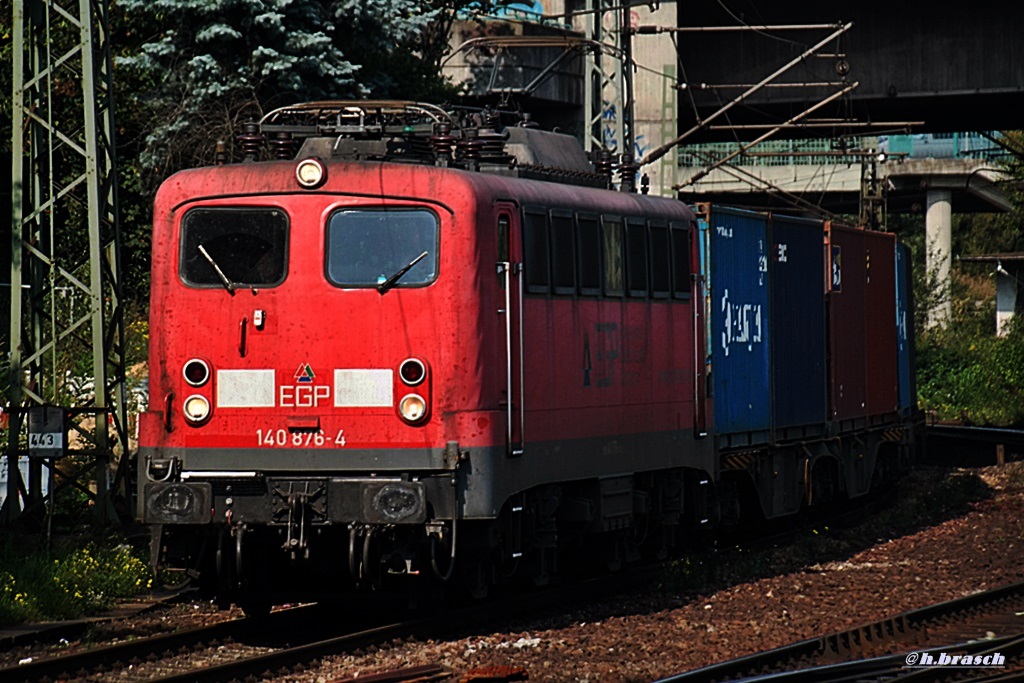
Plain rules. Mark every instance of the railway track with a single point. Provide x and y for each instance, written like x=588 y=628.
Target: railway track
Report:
x=291 y=641
x=124 y=657
x=229 y=650
x=907 y=647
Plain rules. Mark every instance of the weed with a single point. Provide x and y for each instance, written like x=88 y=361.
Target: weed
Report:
x=82 y=578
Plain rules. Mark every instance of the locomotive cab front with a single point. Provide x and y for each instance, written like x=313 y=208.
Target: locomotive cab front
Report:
x=302 y=318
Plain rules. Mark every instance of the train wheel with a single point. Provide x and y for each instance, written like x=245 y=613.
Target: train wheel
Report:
x=225 y=564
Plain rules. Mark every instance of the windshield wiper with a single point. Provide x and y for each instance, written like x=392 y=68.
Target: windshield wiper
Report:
x=228 y=284
x=393 y=280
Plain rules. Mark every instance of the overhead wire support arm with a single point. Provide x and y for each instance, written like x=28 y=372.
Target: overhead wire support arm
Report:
x=651 y=30
x=797 y=201
x=833 y=123
x=656 y=154
x=738 y=86
x=743 y=148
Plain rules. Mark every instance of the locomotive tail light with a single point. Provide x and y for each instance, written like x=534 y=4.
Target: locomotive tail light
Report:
x=310 y=173
x=196 y=409
x=196 y=372
x=412 y=371
x=412 y=408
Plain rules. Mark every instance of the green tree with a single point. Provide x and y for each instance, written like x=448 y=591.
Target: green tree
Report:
x=206 y=65
x=203 y=67
x=189 y=73
x=965 y=372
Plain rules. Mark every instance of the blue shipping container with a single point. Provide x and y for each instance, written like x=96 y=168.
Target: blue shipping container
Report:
x=799 y=338
x=904 y=329
x=739 y=322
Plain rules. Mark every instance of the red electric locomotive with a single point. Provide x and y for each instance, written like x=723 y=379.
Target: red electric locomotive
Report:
x=415 y=349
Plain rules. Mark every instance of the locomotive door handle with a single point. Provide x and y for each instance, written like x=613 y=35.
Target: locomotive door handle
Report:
x=242 y=325
x=514 y=391
x=503 y=269
x=522 y=368
x=168 y=404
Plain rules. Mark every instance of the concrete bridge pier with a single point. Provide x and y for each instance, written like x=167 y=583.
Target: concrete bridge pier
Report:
x=939 y=239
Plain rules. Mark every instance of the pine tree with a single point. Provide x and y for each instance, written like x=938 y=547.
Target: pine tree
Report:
x=206 y=66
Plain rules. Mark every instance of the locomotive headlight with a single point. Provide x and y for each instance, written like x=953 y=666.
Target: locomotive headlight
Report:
x=310 y=173
x=412 y=408
x=196 y=372
x=197 y=408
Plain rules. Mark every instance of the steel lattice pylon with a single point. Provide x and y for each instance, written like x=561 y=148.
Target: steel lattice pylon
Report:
x=608 y=86
x=66 y=321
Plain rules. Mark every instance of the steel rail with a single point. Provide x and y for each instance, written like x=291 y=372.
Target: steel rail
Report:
x=108 y=655
x=898 y=629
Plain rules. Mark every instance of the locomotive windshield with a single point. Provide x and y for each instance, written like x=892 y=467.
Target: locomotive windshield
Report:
x=241 y=246
x=370 y=247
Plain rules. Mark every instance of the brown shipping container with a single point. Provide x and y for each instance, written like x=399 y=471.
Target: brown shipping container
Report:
x=846 y=323
x=880 y=324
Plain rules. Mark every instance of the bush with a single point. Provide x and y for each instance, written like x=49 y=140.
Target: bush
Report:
x=68 y=583
x=976 y=380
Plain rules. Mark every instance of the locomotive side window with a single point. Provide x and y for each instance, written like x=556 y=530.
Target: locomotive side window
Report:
x=375 y=247
x=589 y=240
x=661 y=261
x=680 y=261
x=563 y=253
x=636 y=252
x=234 y=246
x=535 y=251
x=611 y=232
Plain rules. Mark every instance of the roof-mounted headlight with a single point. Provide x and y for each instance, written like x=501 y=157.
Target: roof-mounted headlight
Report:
x=310 y=173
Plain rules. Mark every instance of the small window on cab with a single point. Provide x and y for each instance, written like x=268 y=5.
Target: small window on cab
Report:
x=248 y=244
x=563 y=252
x=536 y=257
x=661 y=260
x=636 y=251
x=614 y=276
x=589 y=240
x=367 y=247
x=681 y=247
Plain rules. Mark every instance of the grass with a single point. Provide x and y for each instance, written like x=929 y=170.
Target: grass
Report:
x=75 y=578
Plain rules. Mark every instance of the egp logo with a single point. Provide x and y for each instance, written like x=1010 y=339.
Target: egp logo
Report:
x=304 y=393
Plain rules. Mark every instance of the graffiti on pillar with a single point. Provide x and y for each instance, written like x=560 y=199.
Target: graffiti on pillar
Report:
x=609 y=130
